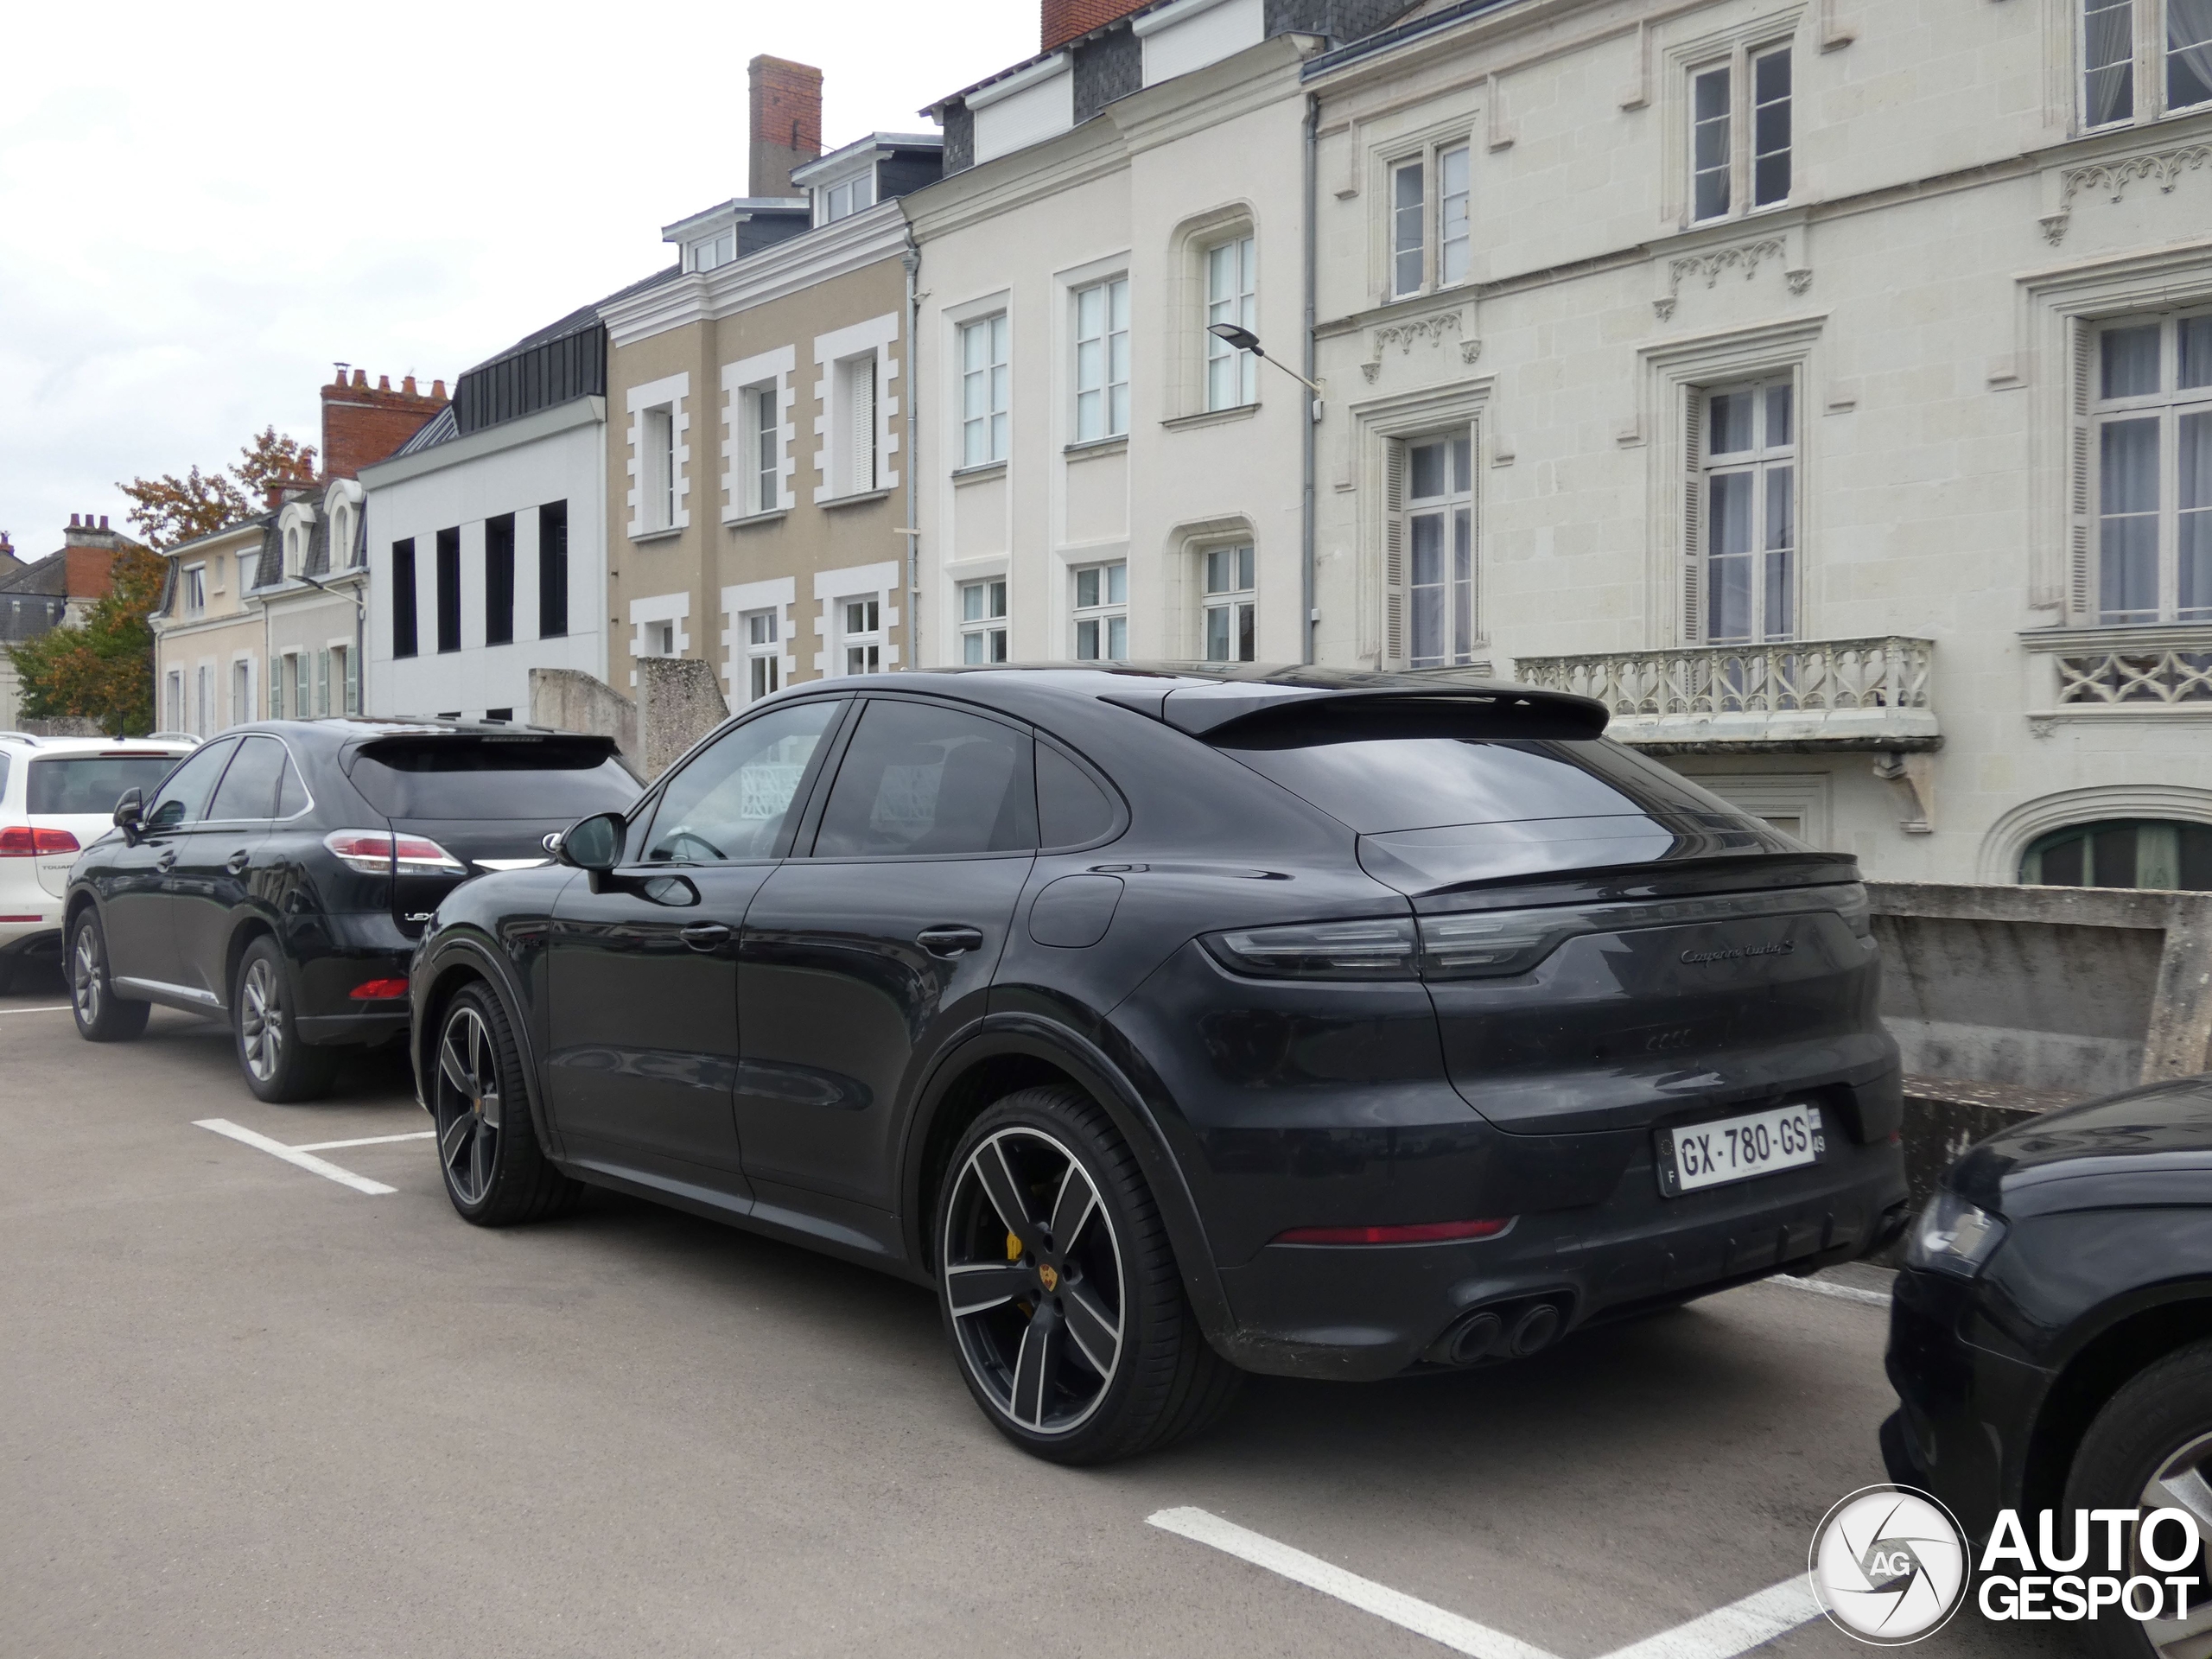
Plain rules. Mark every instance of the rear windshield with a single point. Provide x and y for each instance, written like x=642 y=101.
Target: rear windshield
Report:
x=492 y=778
x=1419 y=768
x=83 y=785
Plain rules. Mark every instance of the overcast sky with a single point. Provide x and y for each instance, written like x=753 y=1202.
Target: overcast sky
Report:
x=202 y=207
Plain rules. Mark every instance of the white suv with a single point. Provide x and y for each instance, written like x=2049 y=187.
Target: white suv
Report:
x=57 y=796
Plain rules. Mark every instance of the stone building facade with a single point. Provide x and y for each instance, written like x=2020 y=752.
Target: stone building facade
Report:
x=1826 y=386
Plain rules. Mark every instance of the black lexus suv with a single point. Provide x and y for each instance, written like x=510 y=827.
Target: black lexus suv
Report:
x=1171 y=1024
x=280 y=874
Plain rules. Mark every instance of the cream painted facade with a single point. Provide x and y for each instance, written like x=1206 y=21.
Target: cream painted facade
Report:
x=210 y=641
x=1940 y=375
x=757 y=462
x=1088 y=262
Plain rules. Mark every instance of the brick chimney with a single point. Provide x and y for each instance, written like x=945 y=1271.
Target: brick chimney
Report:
x=1062 y=21
x=89 y=547
x=786 y=129
x=362 y=425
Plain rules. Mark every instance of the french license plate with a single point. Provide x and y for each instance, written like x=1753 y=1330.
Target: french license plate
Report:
x=1738 y=1148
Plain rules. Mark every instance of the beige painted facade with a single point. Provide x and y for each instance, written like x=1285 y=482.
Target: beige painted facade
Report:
x=756 y=476
x=210 y=642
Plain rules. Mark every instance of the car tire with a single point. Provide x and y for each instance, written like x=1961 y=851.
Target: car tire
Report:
x=1068 y=1322
x=279 y=1067
x=494 y=1171
x=102 y=1016
x=2155 y=1431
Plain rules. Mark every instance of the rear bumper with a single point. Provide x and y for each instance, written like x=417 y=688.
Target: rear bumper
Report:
x=1364 y=1312
x=19 y=940
x=347 y=950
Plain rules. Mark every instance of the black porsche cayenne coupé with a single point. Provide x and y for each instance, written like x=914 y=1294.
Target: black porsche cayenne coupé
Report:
x=1172 y=1024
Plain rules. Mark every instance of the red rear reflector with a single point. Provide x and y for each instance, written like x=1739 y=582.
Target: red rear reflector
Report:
x=22 y=841
x=21 y=918
x=1420 y=1232
x=378 y=990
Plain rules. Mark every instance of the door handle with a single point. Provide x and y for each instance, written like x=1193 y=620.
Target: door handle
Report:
x=236 y=862
x=166 y=861
x=950 y=939
x=705 y=936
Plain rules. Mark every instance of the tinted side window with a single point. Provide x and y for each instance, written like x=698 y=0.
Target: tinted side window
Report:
x=1071 y=809
x=3 y=776
x=922 y=778
x=731 y=801
x=248 y=787
x=291 y=793
x=183 y=798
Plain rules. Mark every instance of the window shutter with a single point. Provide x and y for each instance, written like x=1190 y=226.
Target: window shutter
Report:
x=1693 y=515
x=1394 y=555
x=2081 y=364
x=860 y=402
x=322 y=683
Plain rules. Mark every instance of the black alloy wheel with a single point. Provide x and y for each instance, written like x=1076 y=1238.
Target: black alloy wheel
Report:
x=495 y=1172
x=279 y=1066
x=1059 y=1291
x=102 y=1016
x=2151 y=1448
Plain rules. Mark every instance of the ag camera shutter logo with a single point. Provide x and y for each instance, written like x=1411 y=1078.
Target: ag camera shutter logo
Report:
x=1888 y=1565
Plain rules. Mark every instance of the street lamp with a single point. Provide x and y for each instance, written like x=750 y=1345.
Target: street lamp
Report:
x=1244 y=340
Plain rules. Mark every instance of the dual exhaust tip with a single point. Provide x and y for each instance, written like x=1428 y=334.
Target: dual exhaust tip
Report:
x=1514 y=1331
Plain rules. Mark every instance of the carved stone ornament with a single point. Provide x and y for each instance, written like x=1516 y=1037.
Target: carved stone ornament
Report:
x=2041 y=726
x=2162 y=167
x=1469 y=350
x=1404 y=334
x=1745 y=258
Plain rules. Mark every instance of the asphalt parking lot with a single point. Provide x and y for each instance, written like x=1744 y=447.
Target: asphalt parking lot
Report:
x=246 y=1409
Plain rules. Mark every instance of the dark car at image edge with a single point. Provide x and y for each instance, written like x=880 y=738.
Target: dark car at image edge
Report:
x=278 y=876
x=2050 y=1337
x=1173 y=1023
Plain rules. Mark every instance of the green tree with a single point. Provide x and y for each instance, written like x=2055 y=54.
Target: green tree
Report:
x=102 y=669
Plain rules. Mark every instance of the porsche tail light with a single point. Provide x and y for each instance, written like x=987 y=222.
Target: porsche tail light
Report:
x=1419 y=1232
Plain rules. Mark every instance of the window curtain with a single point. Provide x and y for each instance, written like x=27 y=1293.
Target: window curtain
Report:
x=2188 y=38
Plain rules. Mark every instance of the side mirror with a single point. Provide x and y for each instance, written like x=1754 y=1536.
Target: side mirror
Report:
x=130 y=814
x=593 y=843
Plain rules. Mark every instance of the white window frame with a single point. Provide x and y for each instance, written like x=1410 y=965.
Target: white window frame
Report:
x=1100 y=368
x=2147 y=64
x=1738 y=171
x=195 y=590
x=712 y=252
x=1457 y=588
x=173 y=701
x=772 y=597
x=242 y=706
x=839 y=440
x=762 y=638
x=1428 y=242
x=649 y=615
x=983 y=363
x=853 y=194
x=660 y=458
x=2169 y=406
x=1765 y=466
x=747 y=491
x=1228 y=587
x=984 y=630
x=1099 y=610
x=860 y=634
x=833 y=590
x=1228 y=275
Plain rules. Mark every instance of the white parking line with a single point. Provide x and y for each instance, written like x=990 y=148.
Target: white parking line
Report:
x=1724 y=1634
x=328 y=1170
x=1828 y=1287
x=1460 y=1634
x=58 y=1007
x=367 y=1140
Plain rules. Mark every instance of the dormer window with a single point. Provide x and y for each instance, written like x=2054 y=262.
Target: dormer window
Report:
x=713 y=251
x=845 y=198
